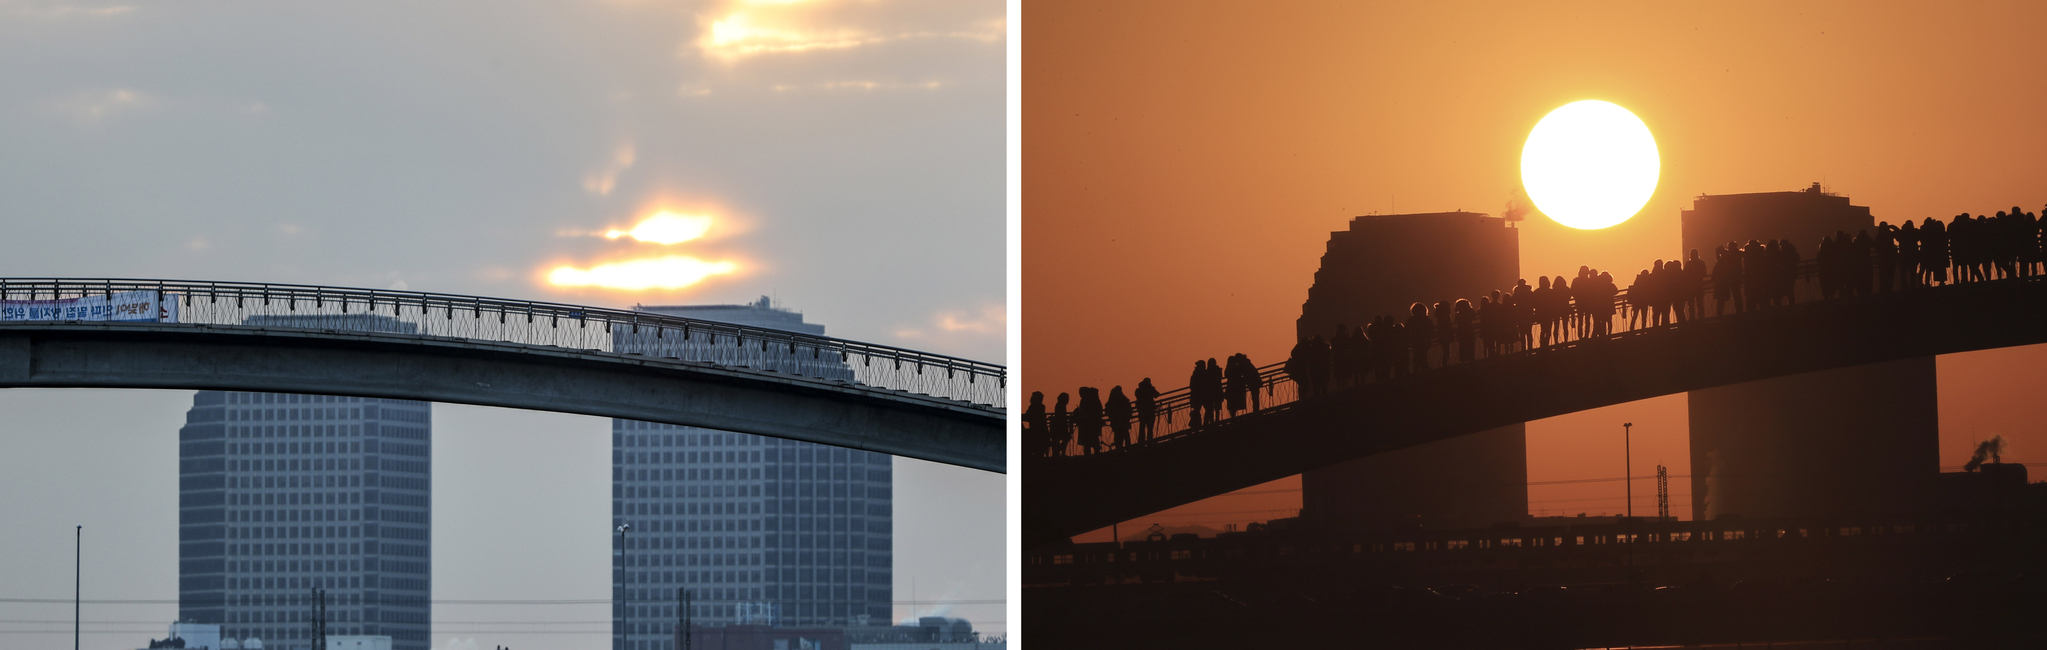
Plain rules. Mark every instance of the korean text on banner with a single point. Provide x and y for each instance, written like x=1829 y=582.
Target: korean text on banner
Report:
x=127 y=306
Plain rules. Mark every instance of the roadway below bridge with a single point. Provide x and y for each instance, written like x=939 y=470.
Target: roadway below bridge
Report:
x=1068 y=496
x=511 y=375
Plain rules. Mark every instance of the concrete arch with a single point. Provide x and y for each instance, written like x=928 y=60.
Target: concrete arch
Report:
x=486 y=373
x=1071 y=496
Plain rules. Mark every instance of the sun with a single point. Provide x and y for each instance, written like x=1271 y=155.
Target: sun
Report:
x=1590 y=164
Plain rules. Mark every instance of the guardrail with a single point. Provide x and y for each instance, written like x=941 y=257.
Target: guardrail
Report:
x=526 y=322
x=1174 y=418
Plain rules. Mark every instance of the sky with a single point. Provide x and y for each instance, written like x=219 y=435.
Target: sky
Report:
x=1185 y=162
x=846 y=156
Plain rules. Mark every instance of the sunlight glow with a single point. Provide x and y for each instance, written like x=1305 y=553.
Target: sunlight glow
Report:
x=670 y=272
x=1590 y=165
x=666 y=228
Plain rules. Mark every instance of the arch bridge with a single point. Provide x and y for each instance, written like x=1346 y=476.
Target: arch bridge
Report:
x=1071 y=495
x=126 y=333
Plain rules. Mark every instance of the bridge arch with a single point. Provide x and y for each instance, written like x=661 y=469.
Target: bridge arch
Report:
x=1070 y=496
x=326 y=340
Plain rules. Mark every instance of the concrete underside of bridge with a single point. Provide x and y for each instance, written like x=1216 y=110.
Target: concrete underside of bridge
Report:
x=1067 y=497
x=401 y=366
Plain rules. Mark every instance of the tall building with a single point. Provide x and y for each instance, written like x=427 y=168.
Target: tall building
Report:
x=280 y=494
x=762 y=531
x=1852 y=440
x=1381 y=265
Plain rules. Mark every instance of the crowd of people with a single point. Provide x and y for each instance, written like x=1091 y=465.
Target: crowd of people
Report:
x=1743 y=277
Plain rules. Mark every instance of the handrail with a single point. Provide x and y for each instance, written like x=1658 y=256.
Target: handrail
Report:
x=1173 y=419
x=551 y=324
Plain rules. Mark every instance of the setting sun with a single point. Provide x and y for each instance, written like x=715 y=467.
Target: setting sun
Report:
x=666 y=228
x=1590 y=164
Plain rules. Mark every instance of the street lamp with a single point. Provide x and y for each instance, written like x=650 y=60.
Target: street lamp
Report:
x=625 y=608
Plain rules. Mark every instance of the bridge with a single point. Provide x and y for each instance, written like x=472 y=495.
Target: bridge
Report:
x=126 y=333
x=1072 y=495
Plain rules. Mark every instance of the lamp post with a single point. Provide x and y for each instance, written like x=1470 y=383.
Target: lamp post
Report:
x=625 y=592
x=1628 y=457
x=1627 y=477
x=77 y=580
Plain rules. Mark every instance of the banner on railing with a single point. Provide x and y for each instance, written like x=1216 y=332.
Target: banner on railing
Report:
x=129 y=306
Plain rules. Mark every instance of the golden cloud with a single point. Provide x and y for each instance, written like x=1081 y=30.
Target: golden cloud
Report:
x=667 y=272
x=746 y=28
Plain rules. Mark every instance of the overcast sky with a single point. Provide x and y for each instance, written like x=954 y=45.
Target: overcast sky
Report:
x=849 y=155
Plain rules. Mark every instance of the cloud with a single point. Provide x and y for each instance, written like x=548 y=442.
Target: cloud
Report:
x=666 y=228
x=96 y=105
x=62 y=11
x=989 y=320
x=602 y=181
x=666 y=272
x=741 y=29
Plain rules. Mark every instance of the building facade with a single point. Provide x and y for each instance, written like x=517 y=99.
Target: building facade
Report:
x=1774 y=448
x=281 y=494
x=1380 y=266
x=761 y=531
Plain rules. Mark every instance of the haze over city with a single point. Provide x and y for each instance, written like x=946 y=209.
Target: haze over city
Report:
x=825 y=155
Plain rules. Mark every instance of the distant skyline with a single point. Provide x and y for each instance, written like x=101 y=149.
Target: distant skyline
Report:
x=1188 y=162
x=850 y=154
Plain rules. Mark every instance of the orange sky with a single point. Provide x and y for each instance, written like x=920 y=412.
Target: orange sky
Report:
x=1184 y=164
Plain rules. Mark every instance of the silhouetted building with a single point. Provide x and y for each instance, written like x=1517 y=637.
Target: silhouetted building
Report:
x=1381 y=265
x=762 y=531
x=1853 y=440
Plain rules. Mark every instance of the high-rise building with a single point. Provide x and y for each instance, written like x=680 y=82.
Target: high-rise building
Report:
x=1381 y=266
x=281 y=494
x=1852 y=440
x=760 y=530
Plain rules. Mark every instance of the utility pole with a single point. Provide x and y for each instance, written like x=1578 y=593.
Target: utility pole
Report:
x=319 y=619
x=625 y=592
x=1662 y=493
x=1628 y=455
x=683 y=611
x=77 y=581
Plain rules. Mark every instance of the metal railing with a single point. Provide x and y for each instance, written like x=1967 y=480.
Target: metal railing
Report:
x=1174 y=419
x=635 y=333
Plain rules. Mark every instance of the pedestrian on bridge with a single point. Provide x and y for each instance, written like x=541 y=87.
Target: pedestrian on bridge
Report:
x=1419 y=330
x=1035 y=426
x=1118 y=411
x=1147 y=410
x=1467 y=330
x=1087 y=420
x=1237 y=383
x=1062 y=427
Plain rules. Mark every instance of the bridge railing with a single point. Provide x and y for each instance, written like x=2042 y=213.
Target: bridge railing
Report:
x=1175 y=417
x=525 y=322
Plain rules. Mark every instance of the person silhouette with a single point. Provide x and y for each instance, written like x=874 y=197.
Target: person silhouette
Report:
x=1147 y=410
x=1419 y=329
x=1253 y=381
x=1087 y=420
x=1062 y=428
x=1467 y=330
x=1234 y=388
x=1446 y=328
x=1602 y=318
x=1884 y=250
x=1213 y=377
x=1695 y=286
x=1118 y=411
x=1035 y=427
x=1196 y=396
